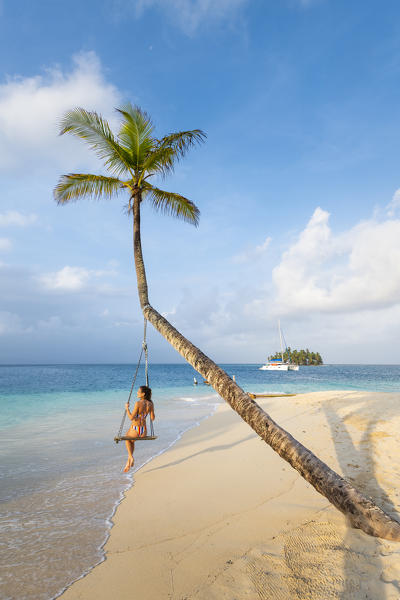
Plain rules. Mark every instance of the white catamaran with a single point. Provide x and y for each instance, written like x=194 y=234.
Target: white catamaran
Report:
x=278 y=364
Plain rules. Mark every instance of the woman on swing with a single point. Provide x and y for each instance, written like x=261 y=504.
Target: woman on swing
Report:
x=143 y=406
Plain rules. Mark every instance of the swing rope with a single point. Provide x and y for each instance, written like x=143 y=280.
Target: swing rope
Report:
x=144 y=351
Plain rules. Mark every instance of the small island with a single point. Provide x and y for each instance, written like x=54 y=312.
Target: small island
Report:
x=299 y=357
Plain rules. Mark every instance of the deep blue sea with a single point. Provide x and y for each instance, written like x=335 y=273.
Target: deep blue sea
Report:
x=61 y=472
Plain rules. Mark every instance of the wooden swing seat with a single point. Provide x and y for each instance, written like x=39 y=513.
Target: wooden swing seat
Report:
x=134 y=439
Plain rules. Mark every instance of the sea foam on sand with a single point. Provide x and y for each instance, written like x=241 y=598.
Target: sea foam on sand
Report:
x=221 y=516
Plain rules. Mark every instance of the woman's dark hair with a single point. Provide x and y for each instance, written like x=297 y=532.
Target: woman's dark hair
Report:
x=146 y=391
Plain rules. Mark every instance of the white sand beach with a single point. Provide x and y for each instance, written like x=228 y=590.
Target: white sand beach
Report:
x=221 y=516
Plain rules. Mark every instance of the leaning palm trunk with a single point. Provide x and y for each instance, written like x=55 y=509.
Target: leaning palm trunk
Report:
x=137 y=155
x=361 y=511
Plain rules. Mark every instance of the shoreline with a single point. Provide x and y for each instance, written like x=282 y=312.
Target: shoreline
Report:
x=216 y=515
x=109 y=522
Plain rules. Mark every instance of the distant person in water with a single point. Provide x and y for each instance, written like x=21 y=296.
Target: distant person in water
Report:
x=143 y=406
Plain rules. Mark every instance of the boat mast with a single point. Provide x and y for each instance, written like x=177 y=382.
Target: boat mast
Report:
x=280 y=337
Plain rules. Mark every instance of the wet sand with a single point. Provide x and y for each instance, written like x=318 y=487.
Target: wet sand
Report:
x=221 y=516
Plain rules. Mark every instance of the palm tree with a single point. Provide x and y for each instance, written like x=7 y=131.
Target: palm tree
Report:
x=132 y=158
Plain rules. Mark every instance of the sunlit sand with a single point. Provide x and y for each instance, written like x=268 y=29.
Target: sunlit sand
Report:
x=221 y=516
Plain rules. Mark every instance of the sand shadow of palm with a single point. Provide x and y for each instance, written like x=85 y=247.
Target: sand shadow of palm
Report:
x=219 y=448
x=359 y=466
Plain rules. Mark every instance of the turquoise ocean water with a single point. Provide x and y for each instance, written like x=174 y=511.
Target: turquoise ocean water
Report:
x=61 y=472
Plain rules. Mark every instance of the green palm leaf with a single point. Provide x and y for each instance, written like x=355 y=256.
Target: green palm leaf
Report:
x=134 y=152
x=136 y=133
x=80 y=185
x=96 y=131
x=172 y=204
x=161 y=161
x=181 y=141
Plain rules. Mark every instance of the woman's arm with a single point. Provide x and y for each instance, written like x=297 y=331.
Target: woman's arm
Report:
x=130 y=414
x=151 y=411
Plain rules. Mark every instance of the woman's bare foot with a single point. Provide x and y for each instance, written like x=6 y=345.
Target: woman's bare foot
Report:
x=129 y=464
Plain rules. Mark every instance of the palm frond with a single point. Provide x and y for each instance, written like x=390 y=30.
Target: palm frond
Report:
x=136 y=133
x=160 y=161
x=81 y=185
x=169 y=150
x=172 y=204
x=181 y=141
x=93 y=129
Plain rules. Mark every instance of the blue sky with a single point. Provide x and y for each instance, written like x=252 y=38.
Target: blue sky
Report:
x=298 y=183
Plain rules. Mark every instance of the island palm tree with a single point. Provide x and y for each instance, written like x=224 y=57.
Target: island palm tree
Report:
x=133 y=157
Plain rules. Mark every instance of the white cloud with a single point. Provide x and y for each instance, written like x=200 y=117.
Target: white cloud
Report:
x=38 y=324
x=394 y=204
x=337 y=293
x=253 y=253
x=31 y=108
x=5 y=244
x=264 y=246
x=12 y=217
x=76 y=279
x=354 y=270
x=190 y=14
x=66 y=279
